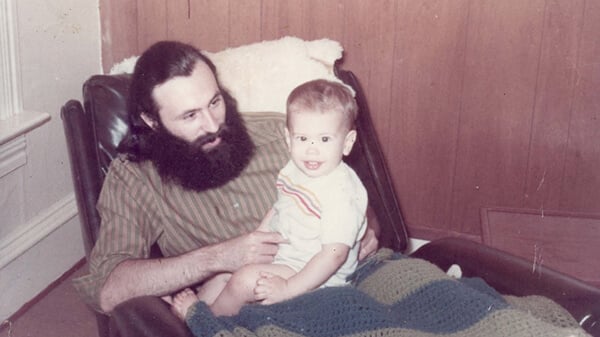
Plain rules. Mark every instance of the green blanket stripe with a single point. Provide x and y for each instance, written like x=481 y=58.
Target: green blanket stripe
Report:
x=391 y=280
x=544 y=309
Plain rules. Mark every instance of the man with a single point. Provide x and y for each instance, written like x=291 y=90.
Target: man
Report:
x=193 y=177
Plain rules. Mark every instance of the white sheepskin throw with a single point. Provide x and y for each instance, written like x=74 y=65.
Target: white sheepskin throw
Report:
x=261 y=75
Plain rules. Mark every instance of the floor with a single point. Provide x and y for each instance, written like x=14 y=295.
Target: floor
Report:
x=58 y=314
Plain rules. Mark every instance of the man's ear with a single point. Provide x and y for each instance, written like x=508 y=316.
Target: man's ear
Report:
x=349 y=142
x=151 y=122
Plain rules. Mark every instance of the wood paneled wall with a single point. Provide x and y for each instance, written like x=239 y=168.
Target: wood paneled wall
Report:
x=477 y=102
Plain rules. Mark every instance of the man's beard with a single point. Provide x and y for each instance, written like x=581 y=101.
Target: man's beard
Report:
x=194 y=168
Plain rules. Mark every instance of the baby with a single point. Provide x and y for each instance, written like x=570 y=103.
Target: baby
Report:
x=320 y=210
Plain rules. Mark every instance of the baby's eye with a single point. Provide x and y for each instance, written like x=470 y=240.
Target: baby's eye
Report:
x=302 y=138
x=325 y=139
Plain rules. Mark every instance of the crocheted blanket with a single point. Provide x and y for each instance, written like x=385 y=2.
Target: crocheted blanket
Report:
x=395 y=296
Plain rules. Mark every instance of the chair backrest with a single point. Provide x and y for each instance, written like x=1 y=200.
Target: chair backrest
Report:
x=368 y=161
x=94 y=130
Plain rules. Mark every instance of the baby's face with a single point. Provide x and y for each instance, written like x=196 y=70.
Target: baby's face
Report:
x=318 y=141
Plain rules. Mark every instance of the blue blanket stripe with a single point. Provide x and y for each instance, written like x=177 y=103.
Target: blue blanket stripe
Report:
x=442 y=306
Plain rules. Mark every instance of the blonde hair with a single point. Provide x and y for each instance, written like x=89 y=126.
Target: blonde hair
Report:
x=323 y=96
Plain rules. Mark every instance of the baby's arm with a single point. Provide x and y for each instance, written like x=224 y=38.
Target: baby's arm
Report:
x=271 y=288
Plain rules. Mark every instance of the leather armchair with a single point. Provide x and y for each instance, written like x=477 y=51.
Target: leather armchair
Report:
x=94 y=129
x=93 y=132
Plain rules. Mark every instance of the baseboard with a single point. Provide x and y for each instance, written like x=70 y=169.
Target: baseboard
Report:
x=22 y=239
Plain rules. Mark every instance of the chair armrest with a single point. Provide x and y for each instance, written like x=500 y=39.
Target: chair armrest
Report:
x=512 y=275
x=146 y=316
x=86 y=175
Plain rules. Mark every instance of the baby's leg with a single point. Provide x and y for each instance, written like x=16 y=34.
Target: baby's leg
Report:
x=182 y=301
x=240 y=288
x=209 y=291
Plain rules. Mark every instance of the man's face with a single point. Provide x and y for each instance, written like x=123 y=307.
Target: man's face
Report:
x=200 y=141
x=191 y=106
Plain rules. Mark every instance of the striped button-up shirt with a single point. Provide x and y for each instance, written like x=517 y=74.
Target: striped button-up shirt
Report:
x=138 y=209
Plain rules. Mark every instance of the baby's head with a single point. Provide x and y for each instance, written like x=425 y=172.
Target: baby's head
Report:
x=320 y=125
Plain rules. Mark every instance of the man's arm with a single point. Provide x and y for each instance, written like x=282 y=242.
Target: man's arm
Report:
x=139 y=277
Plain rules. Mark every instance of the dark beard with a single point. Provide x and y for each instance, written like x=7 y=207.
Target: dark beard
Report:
x=188 y=165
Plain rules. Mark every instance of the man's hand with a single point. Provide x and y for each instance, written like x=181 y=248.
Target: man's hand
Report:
x=253 y=248
x=370 y=242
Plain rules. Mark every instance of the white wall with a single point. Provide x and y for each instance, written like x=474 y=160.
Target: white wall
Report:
x=59 y=48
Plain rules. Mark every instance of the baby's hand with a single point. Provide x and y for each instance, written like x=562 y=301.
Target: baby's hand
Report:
x=271 y=288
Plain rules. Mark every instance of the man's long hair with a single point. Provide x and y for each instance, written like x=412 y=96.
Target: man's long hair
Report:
x=161 y=62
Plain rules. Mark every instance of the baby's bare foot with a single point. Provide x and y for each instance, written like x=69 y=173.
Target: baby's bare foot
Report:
x=182 y=302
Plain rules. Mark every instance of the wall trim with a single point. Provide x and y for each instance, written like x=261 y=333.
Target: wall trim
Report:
x=10 y=97
x=20 y=124
x=12 y=155
x=34 y=231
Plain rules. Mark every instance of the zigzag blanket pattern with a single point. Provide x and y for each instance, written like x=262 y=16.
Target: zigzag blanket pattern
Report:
x=394 y=296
